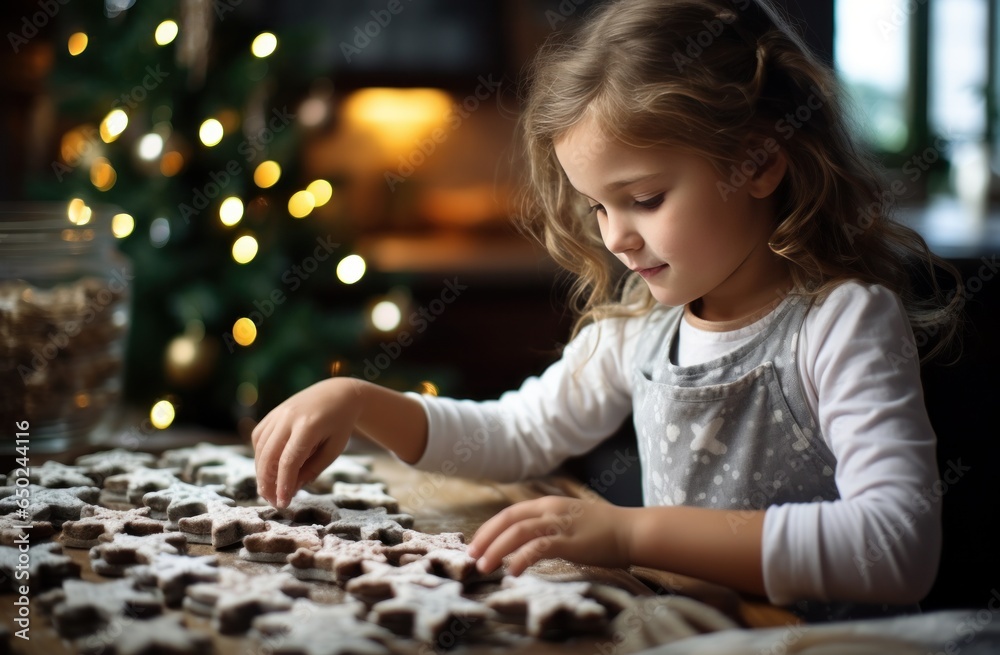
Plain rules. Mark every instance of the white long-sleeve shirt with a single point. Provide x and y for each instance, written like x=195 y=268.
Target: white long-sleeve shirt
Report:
x=878 y=543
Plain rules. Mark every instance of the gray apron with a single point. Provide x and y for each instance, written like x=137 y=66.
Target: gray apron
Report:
x=733 y=433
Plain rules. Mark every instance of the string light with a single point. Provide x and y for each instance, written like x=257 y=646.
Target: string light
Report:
x=102 y=174
x=264 y=44
x=211 y=132
x=267 y=174
x=159 y=232
x=77 y=43
x=231 y=211
x=428 y=388
x=245 y=249
x=150 y=146
x=78 y=211
x=113 y=125
x=171 y=164
x=321 y=191
x=162 y=414
x=122 y=225
x=351 y=269
x=301 y=204
x=386 y=316
x=244 y=331
x=165 y=32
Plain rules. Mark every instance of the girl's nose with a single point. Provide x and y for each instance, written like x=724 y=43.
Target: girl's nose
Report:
x=619 y=233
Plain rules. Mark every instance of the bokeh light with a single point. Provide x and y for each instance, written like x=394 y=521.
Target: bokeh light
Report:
x=77 y=43
x=264 y=44
x=321 y=191
x=211 y=132
x=113 y=125
x=122 y=225
x=244 y=331
x=351 y=269
x=165 y=32
x=231 y=211
x=267 y=174
x=386 y=316
x=162 y=414
x=301 y=204
x=245 y=249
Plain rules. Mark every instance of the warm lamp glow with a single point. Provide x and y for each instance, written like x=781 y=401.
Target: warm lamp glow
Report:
x=397 y=118
x=264 y=44
x=113 y=125
x=245 y=249
x=77 y=43
x=267 y=174
x=165 y=32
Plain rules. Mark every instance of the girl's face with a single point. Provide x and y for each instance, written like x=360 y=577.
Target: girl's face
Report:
x=669 y=216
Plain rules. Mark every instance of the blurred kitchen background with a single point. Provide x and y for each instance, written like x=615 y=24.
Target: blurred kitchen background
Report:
x=306 y=189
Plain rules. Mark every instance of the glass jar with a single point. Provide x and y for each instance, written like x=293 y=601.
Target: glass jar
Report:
x=64 y=317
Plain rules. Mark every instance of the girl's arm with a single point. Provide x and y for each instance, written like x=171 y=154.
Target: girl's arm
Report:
x=304 y=434
x=716 y=545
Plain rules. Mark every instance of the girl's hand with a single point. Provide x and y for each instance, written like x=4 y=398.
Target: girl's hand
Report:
x=302 y=436
x=586 y=532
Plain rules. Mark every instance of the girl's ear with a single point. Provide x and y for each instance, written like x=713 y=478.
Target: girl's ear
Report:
x=771 y=172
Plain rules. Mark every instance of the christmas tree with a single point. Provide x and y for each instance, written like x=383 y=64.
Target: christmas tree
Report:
x=186 y=117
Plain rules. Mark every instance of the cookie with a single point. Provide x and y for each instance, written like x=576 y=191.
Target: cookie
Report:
x=130 y=487
x=427 y=613
x=54 y=475
x=355 y=469
x=305 y=507
x=83 y=608
x=380 y=580
x=278 y=541
x=111 y=462
x=172 y=574
x=223 y=526
x=237 y=598
x=238 y=477
x=54 y=505
x=190 y=459
x=96 y=522
x=363 y=496
x=548 y=607
x=420 y=543
x=161 y=635
x=14 y=531
x=450 y=563
x=370 y=524
x=338 y=559
x=182 y=499
x=45 y=565
x=113 y=558
x=313 y=629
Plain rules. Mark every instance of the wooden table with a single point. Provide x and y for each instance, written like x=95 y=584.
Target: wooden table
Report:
x=438 y=504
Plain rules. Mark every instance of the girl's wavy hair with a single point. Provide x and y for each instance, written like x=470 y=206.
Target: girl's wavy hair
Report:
x=720 y=78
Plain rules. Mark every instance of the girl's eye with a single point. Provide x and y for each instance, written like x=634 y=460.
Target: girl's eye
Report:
x=596 y=208
x=652 y=203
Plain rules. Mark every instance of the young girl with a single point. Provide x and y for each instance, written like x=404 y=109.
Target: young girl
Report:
x=762 y=337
